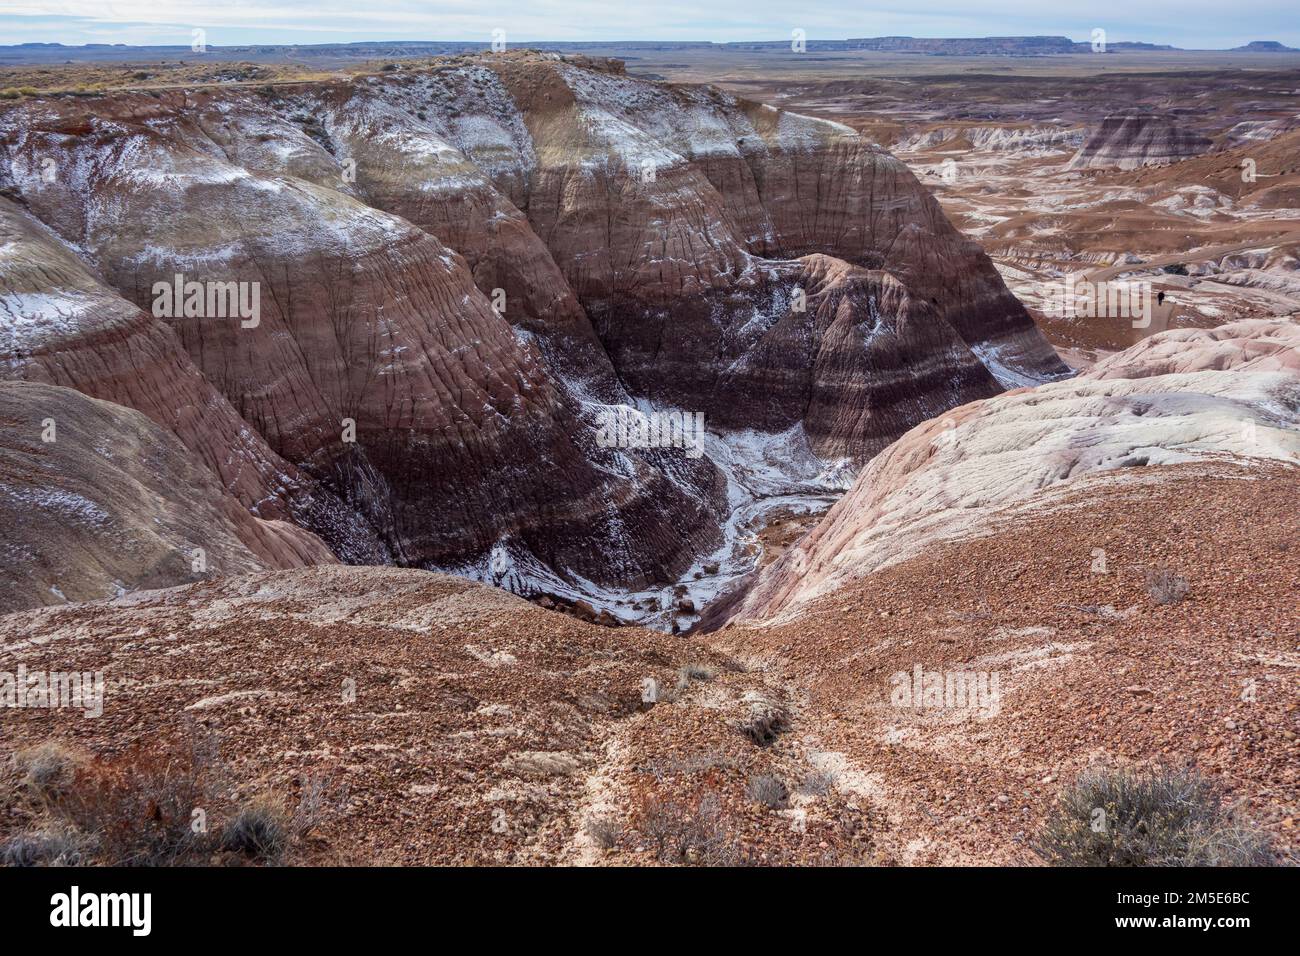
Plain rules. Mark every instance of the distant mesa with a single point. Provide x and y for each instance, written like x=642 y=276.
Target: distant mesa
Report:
x=1264 y=46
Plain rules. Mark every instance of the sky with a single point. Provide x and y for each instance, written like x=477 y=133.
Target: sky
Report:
x=1197 y=24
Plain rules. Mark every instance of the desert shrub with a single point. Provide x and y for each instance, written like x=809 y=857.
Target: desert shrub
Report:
x=819 y=783
x=140 y=811
x=260 y=829
x=320 y=799
x=694 y=671
x=688 y=673
x=1158 y=818
x=265 y=831
x=686 y=831
x=605 y=832
x=1165 y=587
x=47 y=770
x=59 y=848
x=768 y=791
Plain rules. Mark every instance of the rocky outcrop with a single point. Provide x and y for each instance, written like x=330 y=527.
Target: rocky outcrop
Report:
x=97 y=500
x=459 y=269
x=1180 y=396
x=1136 y=140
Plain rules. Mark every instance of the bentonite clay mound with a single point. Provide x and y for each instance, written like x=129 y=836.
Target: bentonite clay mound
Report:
x=457 y=266
x=1133 y=141
x=97 y=500
x=61 y=325
x=1179 y=396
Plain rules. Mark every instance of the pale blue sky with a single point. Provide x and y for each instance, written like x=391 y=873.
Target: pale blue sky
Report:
x=1202 y=24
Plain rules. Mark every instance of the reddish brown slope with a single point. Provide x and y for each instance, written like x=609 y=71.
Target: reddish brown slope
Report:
x=1092 y=670
x=454 y=723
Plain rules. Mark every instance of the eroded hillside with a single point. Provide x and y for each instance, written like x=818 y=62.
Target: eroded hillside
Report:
x=458 y=271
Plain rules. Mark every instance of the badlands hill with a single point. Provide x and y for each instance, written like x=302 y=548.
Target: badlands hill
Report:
x=1259 y=172
x=448 y=722
x=112 y=501
x=1095 y=669
x=459 y=269
x=1177 y=397
x=1135 y=140
x=441 y=721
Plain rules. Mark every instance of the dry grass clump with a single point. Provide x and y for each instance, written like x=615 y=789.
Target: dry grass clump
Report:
x=688 y=831
x=47 y=771
x=605 y=832
x=1165 y=587
x=1158 y=818
x=819 y=783
x=768 y=791
x=159 y=807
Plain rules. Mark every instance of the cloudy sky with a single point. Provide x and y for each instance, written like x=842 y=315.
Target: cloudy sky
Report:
x=1201 y=24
